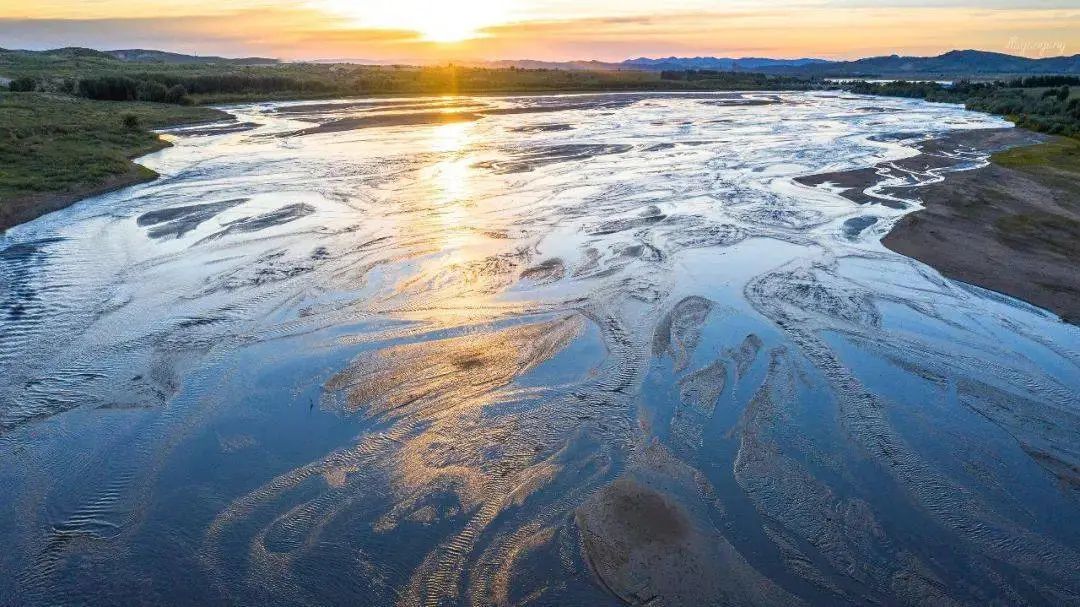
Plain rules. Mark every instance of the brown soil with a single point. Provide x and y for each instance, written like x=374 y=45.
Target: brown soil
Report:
x=21 y=209
x=1011 y=230
x=649 y=540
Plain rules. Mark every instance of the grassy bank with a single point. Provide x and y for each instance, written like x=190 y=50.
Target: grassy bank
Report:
x=57 y=149
x=1045 y=104
x=1059 y=157
x=1054 y=165
x=1012 y=227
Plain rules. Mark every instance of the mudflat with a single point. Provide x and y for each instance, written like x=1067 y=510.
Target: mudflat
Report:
x=1012 y=226
x=385 y=120
x=496 y=362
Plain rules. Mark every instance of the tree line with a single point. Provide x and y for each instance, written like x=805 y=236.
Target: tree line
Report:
x=750 y=80
x=183 y=86
x=1053 y=110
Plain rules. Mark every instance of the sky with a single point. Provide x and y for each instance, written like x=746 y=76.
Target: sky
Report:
x=427 y=31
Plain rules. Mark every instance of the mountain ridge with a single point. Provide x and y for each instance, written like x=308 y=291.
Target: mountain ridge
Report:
x=952 y=64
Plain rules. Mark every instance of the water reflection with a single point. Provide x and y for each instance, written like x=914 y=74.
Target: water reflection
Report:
x=451 y=177
x=573 y=352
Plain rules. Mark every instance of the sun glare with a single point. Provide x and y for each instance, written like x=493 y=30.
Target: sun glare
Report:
x=443 y=21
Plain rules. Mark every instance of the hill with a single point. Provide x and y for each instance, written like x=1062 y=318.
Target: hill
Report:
x=952 y=65
x=152 y=56
x=719 y=63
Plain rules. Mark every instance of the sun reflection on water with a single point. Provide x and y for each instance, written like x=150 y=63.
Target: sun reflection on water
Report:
x=462 y=267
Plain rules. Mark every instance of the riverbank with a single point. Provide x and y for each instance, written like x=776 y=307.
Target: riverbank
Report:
x=1011 y=227
x=56 y=150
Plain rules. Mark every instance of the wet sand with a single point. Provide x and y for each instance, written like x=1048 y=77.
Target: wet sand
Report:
x=1008 y=230
x=438 y=116
x=649 y=541
x=498 y=363
x=384 y=120
x=406 y=112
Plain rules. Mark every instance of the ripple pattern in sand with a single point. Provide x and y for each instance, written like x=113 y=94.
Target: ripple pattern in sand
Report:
x=573 y=350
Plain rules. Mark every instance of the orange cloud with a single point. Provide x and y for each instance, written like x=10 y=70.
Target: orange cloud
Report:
x=305 y=32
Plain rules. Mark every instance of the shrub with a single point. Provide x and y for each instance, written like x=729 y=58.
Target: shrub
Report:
x=151 y=91
x=177 y=94
x=109 y=88
x=23 y=85
x=131 y=121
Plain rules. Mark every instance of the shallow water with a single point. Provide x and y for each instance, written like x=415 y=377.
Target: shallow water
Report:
x=573 y=350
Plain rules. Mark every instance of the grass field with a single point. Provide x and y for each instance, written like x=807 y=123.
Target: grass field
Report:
x=1058 y=158
x=58 y=145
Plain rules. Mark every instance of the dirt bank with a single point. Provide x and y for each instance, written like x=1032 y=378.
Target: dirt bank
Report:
x=1012 y=226
x=57 y=149
x=30 y=206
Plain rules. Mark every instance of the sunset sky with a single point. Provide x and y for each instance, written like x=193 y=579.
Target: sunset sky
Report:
x=610 y=30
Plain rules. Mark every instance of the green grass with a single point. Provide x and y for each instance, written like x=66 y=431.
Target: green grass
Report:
x=1055 y=163
x=1059 y=154
x=53 y=144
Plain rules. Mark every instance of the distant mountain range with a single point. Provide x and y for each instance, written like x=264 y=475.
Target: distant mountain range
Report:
x=141 y=56
x=951 y=65
x=719 y=63
x=149 y=56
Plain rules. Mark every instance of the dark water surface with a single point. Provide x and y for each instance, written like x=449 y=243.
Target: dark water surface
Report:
x=566 y=350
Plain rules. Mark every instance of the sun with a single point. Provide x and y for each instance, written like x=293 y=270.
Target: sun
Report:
x=440 y=21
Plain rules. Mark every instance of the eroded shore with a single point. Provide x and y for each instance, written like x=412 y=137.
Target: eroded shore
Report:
x=1010 y=226
x=58 y=150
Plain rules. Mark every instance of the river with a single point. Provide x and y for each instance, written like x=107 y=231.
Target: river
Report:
x=549 y=350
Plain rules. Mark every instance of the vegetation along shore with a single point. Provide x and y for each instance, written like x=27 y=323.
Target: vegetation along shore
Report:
x=55 y=150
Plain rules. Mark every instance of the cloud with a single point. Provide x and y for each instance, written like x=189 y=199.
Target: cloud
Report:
x=816 y=29
x=276 y=32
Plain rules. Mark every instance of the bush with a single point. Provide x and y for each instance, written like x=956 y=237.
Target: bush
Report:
x=109 y=88
x=151 y=91
x=1049 y=112
x=23 y=85
x=131 y=121
x=166 y=88
x=177 y=94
